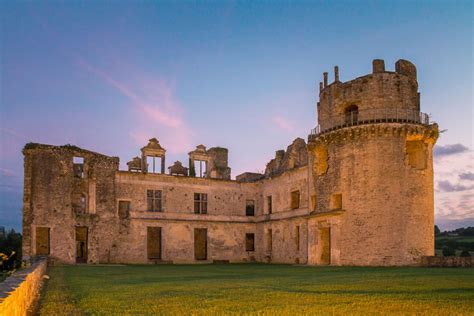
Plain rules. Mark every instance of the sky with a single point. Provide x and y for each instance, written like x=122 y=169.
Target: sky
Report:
x=107 y=76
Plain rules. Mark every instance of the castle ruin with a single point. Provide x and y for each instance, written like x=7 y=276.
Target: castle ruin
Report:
x=358 y=192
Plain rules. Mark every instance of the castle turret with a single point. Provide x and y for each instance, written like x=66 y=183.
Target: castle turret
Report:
x=372 y=170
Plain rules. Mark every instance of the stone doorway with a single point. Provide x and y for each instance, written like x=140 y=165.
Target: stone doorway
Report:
x=42 y=241
x=154 y=243
x=325 y=238
x=81 y=244
x=200 y=243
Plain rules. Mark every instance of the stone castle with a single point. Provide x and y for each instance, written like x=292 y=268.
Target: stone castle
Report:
x=359 y=192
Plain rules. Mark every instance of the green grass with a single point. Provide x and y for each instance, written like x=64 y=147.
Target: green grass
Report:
x=256 y=288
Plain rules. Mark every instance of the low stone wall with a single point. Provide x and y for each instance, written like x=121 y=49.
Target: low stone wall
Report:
x=19 y=292
x=433 y=261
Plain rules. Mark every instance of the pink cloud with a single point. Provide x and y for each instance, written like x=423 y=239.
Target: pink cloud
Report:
x=283 y=123
x=157 y=111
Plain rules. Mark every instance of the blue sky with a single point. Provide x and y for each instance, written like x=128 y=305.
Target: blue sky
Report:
x=107 y=76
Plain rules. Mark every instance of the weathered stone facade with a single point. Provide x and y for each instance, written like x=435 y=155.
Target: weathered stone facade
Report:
x=359 y=193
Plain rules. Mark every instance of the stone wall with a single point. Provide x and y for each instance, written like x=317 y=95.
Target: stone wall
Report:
x=433 y=261
x=20 y=292
x=56 y=198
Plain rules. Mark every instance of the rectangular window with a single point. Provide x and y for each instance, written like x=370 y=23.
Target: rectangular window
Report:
x=295 y=200
x=250 y=208
x=269 y=203
x=200 y=203
x=249 y=242
x=154 y=201
x=297 y=237
x=336 y=202
x=124 y=209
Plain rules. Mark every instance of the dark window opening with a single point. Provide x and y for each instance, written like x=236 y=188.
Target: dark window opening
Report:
x=249 y=242
x=154 y=201
x=200 y=203
x=124 y=209
x=295 y=200
x=351 y=114
x=297 y=237
x=269 y=203
x=250 y=208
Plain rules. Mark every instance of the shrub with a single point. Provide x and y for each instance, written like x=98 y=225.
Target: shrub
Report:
x=465 y=253
x=447 y=251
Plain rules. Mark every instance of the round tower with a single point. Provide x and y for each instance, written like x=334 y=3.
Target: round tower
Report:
x=372 y=170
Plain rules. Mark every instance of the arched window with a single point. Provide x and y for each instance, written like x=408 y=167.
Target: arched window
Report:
x=351 y=114
x=83 y=202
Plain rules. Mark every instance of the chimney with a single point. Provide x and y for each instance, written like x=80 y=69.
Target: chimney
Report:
x=325 y=79
x=336 y=74
x=320 y=86
x=378 y=65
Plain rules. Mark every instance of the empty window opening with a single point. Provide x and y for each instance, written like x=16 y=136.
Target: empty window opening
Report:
x=124 y=209
x=200 y=167
x=42 y=241
x=81 y=244
x=250 y=242
x=200 y=243
x=336 y=202
x=155 y=164
x=154 y=201
x=153 y=243
x=269 y=240
x=295 y=200
x=78 y=167
x=200 y=203
x=351 y=114
x=269 y=204
x=313 y=202
x=250 y=208
x=83 y=204
x=417 y=154
x=297 y=237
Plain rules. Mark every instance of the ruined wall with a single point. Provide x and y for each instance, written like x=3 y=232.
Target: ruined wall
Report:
x=386 y=199
x=384 y=92
x=52 y=199
x=226 y=220
x=283 y=221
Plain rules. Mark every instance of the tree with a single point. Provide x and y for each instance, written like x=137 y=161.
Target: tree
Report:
x=10 y=246
x=192 y=171
x=436 y=230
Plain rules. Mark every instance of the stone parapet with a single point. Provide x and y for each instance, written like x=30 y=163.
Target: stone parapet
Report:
x=20 y=291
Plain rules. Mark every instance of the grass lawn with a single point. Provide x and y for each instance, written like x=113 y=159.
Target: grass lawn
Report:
x=256 y=288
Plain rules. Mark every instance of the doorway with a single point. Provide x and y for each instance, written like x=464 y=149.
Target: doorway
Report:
x=42 y=241
x=153 y=241
x=81 y=244
x=325 y=237
x=200 y=243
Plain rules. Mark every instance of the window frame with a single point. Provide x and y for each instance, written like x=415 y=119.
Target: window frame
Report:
x=154 y=201
x=200 y=203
